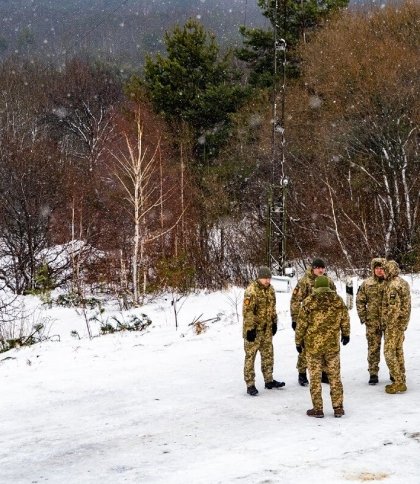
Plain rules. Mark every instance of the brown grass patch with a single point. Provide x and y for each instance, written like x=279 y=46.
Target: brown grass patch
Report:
x=368 y=476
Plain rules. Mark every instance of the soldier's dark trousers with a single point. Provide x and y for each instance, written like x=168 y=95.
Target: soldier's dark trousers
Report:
x=374 y=339
x=330 y=362
x=394 y=354
x=263 y=344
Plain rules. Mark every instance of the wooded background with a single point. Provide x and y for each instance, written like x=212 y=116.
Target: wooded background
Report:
x=133 y=181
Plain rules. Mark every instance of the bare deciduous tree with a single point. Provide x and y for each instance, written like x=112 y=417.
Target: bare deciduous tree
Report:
x=354 y=137
x=138 y=169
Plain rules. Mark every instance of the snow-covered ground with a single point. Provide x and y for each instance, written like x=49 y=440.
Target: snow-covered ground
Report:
x=170 y=406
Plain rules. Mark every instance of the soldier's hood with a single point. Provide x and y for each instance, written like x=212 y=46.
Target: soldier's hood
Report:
x=310 y=273
x=377 y=261
x=327 y=295
x=391 y=269
x=323 y=289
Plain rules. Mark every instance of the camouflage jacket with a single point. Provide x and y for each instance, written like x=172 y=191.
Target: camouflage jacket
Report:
x=396 y=302
x=369 y=298
x=302 y=290
x=259 y=308
x=322 y=317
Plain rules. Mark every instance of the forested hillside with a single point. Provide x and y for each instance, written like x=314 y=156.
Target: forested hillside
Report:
x=120 y=30
x=165 y=178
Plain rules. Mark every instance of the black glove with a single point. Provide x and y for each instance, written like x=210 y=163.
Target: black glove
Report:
x=294 y=325
x=362 y=322
x=299 y=348
x=251 y=334
x=345 y=340
x=274 y=328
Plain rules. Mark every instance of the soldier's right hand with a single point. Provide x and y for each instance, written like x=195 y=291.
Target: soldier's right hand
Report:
x=294 y=325
x=251 y=334
x=299 y=348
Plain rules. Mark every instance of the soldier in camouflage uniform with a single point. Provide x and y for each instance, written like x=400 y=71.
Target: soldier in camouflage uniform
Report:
x=302 y=290
x=396 y=309
x=322 y=317
x=369 y=308
x=259 y=327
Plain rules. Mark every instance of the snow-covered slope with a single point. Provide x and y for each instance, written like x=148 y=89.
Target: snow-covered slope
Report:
x=167 y=406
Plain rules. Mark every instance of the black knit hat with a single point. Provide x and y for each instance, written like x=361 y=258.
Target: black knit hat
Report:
x=318 y=263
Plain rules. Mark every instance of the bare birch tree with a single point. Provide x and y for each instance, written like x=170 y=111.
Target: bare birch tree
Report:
x=138 y=169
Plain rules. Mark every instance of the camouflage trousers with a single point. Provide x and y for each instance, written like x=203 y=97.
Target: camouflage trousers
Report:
x=301 y=362
x=394 y=354
x=330 y=362
x=264 y=345
x=374 y=338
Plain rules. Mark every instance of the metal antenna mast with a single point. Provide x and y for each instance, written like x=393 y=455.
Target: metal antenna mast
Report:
x=276 y=231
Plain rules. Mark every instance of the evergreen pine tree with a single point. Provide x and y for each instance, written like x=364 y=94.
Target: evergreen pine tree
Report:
x=294 y=22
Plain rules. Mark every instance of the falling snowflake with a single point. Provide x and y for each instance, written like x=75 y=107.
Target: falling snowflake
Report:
x=315 y=102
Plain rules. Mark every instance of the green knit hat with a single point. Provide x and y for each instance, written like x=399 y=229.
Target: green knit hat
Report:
x=321 y=281
x=264 y=273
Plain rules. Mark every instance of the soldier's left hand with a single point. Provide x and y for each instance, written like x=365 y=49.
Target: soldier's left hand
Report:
x=345 y=340
x=274 y=328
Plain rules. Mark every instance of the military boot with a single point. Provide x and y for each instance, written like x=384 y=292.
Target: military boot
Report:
x=303 y=381
x=315 y=413
x=396 y=388
x=373 y=380
x=251 y=390
x=274 y=384
x=338 y=412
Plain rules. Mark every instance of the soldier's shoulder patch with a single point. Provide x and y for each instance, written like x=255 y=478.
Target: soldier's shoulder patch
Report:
x=295 y=290
x=247 y=301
